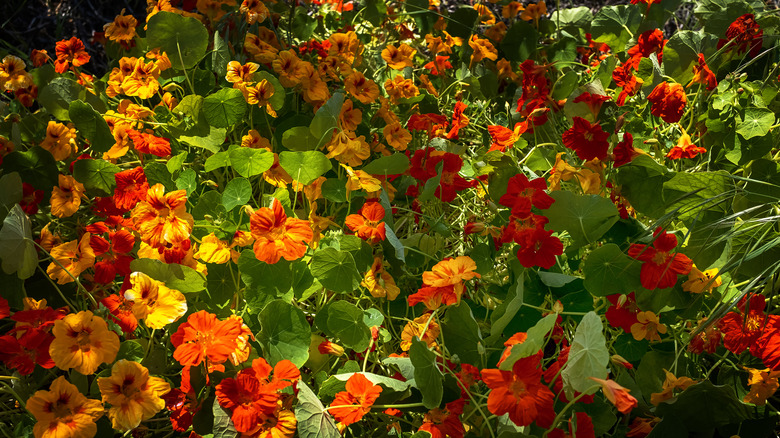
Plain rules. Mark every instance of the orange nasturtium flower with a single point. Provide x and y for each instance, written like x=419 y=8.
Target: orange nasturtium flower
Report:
x=70 y=52
x=82 y=341
x=703 y=75
x=425 y=328
x=618 y=395
x=63 y=411
x=763 y=384
x=154 y=302
x=256 y=11
x=670 y=384
x=347 y=148
x=205 y=338
x=363 y=89
x=521 y=393
x=277 y=235
x=134 y=396
x=237 y=73
x=482 y=49
x=71 y=259
x=699 y=281
x=397 y=136
x=379 y=282
x=511 y=9
x=13 y=75
x=162 y=217
x=368 y=225
x=400 y=57
x=443 y=284
x=60 y=140
x=351 y=405
x=66 y=198
x=685 y=148
x=122 y=29
x=534 y=12
x=648 y=327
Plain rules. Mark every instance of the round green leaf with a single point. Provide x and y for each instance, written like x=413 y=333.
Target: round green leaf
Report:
x=96 y=175
x=609 y=271
x=588 y=356
x=304 y=167
x=335 y=270
x=395 y=164
x=184 y=39
x=313 y=420
x=756 y=122
x=57 y=96
x=427 y=375
x=285 y=333
x=249 y=162
x=237 y=192
x=179 y=277
x=36 y=167
x=91 y=125
x=224 y=108
x=17 y=249
x=345 y=321
x=585 y=217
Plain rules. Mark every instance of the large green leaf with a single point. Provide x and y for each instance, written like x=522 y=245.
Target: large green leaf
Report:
x=616 y=25
x=179 y=277
x=756 y=122
x=17 y=249
x=96 y=175
x=313 y=420
x=184 y=39
x=335 y=270
x=588 y=356
x=462 y=334
x=91 y=125
x=704 y=406
x=237 y=192
x=520 y=41
x=609 y=271
x=256 y=275
x=689 y=194
x=427 y=375
x=58 y=94
x=224 y=108
x=11 y=190
x=223 y=424
x=344 y=321
x=304 y=167
x=395 y=164
x=326 y=119
x=36 y=167
x=285 y=333
x=682 y=50
x=249 y=162
x=210 y=142
x=642 y=183
x=585 y=217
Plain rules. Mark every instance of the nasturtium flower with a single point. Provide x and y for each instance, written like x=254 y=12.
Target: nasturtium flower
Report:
x=520 y=393
x=534 y=12
x=400 y=88
x=647 y=43
x=671 y=383
x=120 y=312
x=398 y=58
x=703 y=75
x=351 y=405
x=205 y=338
x=327 y=347
x=379 y=282
x=363 y=89
x=523 y=194
x=60 y=140
x=742 y=328
x=349 y=116
x=347 y=148
x=443 y=284
x=13 y=76
x=71 y=259
x=259 y=94
x=154 y=302
x=131 y=188
x=617 y=395
x=648 y=326
x=482 y=49
x=122 y=29
x=256 y=11
x=763 y=384
x=700 y=281
x=70 y=52
x=148 y=143
x=661 y=267
x=368 y=224
x=685 y=148
x=505 y=138
x=538 y=247
x=745 y=34
x=668 y=101
x=511 y=9
x=424 y=328
x=161 y=218
x=593 y=101
x=82 y=341
x=278 y=236
x=346 y=46
x=64 y=412
x=441 y=423
x=24 y=352
x=133 y=394
x=588 y=141
x=260 y=51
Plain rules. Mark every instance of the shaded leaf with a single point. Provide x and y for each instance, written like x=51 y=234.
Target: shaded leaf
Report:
x=285 y=333
x=588 y=356
x=427 y=375
x=184 y=39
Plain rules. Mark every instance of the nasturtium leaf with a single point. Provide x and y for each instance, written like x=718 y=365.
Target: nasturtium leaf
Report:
x=461 y=22
x=36 y=167
x=326 y=119
x=373 y=317
x=285 y=333
x=756 y=122
x=427 y=375
x=705 y=405
x=299 y=138
x=184 y=39
x=17 y=249
x=395 y=164
x=585 y=217
x=460 y=327
x=304 y=167
x=579 y=17
x=629 y=348
x=217 y=161
x=507 y=310
x=588 y=356
x=642 y=182
x=223 y=424
x=535 y=341
x=210 y=142
x=131 y=350
x=220 y=285
x=188 y=181
x=608 y=270
x=682 y=50
x=615 y=25
x=157 y=173
x=209 y=204
x=689 y=194
x=313 y=420
x=717 y=15
x=335 y=270
x=249 y=162
x=224 y=108
x=255 y=274
x=179 y=277
x=334 y=190
x=344 y=321
x=220 y=56
x=91 y=125
x=237 y=192
x=58 y=94
x=96 y=175
x=520 y=41
x=11 y=190
x=176 y=163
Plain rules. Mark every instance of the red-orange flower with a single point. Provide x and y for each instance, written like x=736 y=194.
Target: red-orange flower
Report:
x=503 y=137
x=521 y=393
x=443 y=284
x=278 y=236
x=746 y=34
x=131 y=188
x=587 y=140
x=703 y=75
x=205 y=338
x=162 y=218
x=70 y=52
x=523 y=194
x=351 y=405
x=685 y=148
x=618 y=395
x=368 y=224
x=668 y=101
x=147 y=143
x=661 y=267
x=442 y=423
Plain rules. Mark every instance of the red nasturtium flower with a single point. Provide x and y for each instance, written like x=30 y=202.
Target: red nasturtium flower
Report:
x=685 y=148
x=112 y=254
x=205 y=338
x=580 y=426
x=442 y=423
x=147 y=143
x=503 y=137
x=649 y=42
x=277 y=235
x=622 y=311
x=746 y=34
x=521 y=393
x=661 y=267
x=70 y=52
x=668 y=101
x=703 y=75
x=538 y=248
x=368 y=223
x=522 y=194
x=131 y=188
x=593 y=101
x=351 y=405
x=587 y=140
x=742 y=328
